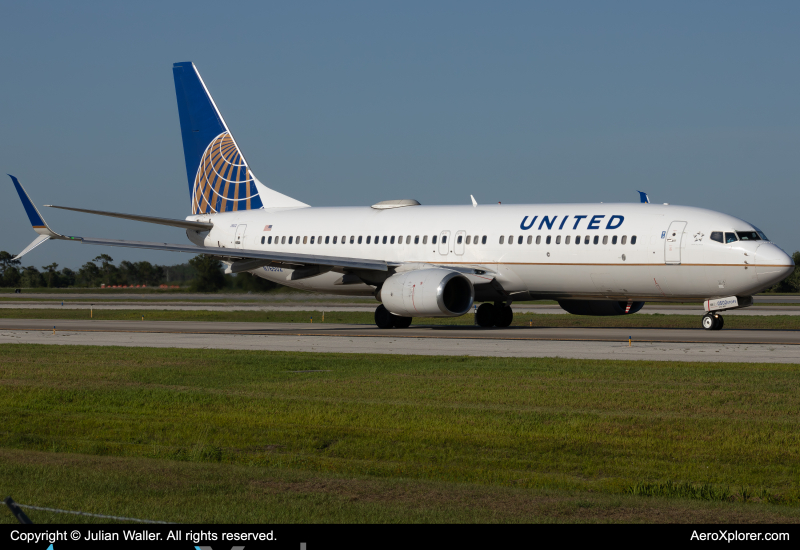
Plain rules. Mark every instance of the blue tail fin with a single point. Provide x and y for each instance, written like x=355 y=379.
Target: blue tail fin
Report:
x=219 y=177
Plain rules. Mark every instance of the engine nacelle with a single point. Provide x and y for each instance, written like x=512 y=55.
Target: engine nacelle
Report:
x=598 y=307
x=431 y=292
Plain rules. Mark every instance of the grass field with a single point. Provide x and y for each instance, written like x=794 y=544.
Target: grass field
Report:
x=169 y=434
x=772 y=322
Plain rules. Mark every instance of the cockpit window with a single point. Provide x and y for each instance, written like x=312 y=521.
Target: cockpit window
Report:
x=730 y=238
x=748 y=236
x=716 y=236
x=760 y=233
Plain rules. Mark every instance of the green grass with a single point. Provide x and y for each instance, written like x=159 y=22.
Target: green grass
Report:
x=166 y=433
x=771 y=322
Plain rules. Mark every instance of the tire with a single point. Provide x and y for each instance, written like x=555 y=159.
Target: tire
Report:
x=401 y=322
x=383 y=318
x=503 y=317
x=720 y=322
x=485 y=315
x=710 y=322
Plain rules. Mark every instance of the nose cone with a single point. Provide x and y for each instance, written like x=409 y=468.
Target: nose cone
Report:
x=772 y=264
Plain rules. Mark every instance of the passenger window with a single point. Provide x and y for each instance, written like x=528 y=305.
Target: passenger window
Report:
x=444 y=239
x=577 y=239
x=586 y=239
x=269 y=241
x=433 y=239
x=262 y=240
x=384 y=239
x=558 y=239
x=530 y=239
x=547 y=240
x=458 y=241
x=334 y=239
x=596 y=239
x=469 y=238
x=716 y=236
x=408 y=239
x=475 y=239
x=283 y=240
x=633 y=239
x=605 y=239
x=297 y=240
x=729 y=238
x=312 y=239
x=519 y=240
x=290 y=240
x=624 y=239
x=352 y=239
x=377 y=238
x=614 y=239
x=344 y=239
x=319 y=239
x=416 y=239
x=359 y=239
x=566 y=240
x=424 y=239
x=511 y=239
x=391 y=241
x=502 y=239
x=538 y=239
x=327 y=240
x=483 y=240
x=369 y=238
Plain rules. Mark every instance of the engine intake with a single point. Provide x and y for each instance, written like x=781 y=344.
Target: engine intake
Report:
x=432 y=292
x=598 y=307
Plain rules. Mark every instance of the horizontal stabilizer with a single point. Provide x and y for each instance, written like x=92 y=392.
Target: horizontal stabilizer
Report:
x=184 y=224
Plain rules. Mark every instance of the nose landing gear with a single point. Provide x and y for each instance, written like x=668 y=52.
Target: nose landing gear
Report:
x=713 y=321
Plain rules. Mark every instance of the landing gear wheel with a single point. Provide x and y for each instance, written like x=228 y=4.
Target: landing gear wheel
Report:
x=383 y=318
x=401 y=322
x=710 y=321
x=720 y=322
x=503 y=316
x=485 y=315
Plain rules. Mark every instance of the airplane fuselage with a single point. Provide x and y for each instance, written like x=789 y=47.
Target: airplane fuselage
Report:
x=644 y=252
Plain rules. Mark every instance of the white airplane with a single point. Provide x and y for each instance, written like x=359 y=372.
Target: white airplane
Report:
x=437 y=261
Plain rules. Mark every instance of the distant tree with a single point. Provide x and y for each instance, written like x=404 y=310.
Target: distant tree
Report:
x=209 y=274
x=51 y=275
x=31 y=278
x=9 y=272
x=89 y=275
x=107 y=267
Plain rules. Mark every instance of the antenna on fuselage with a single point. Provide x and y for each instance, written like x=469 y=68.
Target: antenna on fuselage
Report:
x=474 y=202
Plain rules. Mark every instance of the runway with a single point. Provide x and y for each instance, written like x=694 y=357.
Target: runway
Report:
x=580 y=343
x=520 y=308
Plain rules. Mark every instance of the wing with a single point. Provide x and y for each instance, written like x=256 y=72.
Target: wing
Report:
x=240 y=260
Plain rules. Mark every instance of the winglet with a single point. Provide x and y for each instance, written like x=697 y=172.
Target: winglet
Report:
x=643 y=197
x=36 y=219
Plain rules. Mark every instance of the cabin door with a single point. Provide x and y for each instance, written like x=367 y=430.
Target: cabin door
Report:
x=444 y=243
x=672 y=244
x=238 y=242
x=458 y=246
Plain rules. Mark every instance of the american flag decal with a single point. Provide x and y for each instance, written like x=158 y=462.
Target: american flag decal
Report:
x=267 y=228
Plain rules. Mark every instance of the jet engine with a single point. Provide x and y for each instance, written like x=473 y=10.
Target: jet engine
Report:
x=598 y=307
x=431 y=292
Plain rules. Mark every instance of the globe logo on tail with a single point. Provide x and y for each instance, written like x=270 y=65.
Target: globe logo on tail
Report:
x=223 y=182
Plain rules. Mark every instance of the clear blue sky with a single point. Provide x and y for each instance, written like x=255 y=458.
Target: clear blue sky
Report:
x=349 y=103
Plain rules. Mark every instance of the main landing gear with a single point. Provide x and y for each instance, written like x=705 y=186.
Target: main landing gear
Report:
x=497 y=315
x=384 y=319
x=713 y=321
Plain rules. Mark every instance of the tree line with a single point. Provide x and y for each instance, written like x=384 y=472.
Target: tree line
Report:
x=201 y=274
